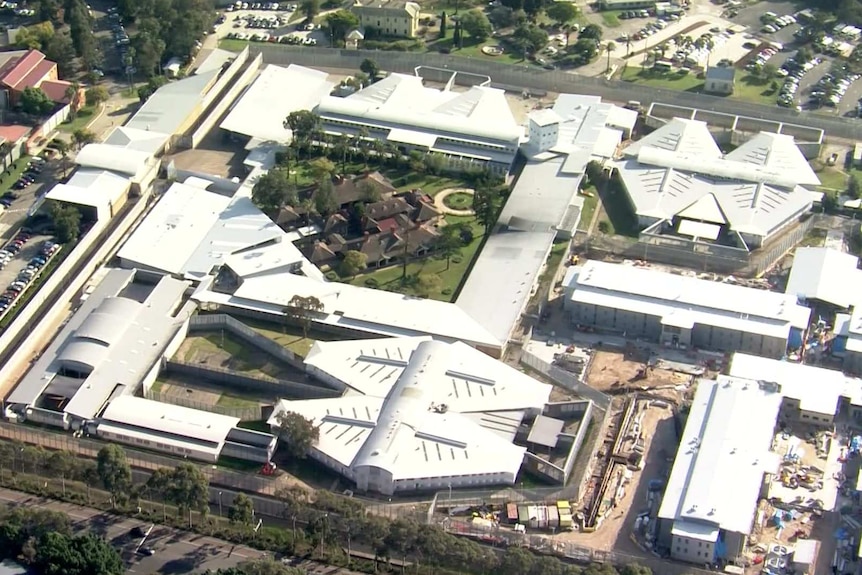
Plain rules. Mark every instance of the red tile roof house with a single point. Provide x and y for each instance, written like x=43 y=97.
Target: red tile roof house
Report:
x=33 y=70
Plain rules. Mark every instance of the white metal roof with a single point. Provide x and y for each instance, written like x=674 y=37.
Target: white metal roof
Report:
x=659 y=293
x=117 y=339
x=155 y=416
x=805 y=551
x=724 y=451
x=414 y=424
x=262 y=109
x=817 y=389
x=173 y=229
x=402 y=101
x=91 y=187
x=699 y=230
x=705 y=209
x=679 y=135
x=777 y=153
x=137 y=139
x=126 y=161
x=757 y=209
x=825 y=274
x=170 y=107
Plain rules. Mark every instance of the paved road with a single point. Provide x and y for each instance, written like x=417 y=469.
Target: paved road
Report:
x=532 y=78
x=176 y=551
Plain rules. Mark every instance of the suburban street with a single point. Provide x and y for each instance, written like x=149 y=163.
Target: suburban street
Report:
x=532 y=78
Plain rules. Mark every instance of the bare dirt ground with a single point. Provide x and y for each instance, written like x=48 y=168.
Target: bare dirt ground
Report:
x=614 y=369
x=660 y=444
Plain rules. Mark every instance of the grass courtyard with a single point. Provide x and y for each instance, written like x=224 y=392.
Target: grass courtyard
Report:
x=83 y=118
x=658 y=79
x=451 y=275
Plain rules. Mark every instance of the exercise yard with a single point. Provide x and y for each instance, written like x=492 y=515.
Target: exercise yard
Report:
x=224 y=351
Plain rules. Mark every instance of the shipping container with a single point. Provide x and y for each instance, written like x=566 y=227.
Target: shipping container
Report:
x=533 y=517
x=523 y=514
x=482 y=524
x=553 y=518
x=564 y=505
x=542 y=514
x=565 y=521
x=512 y=512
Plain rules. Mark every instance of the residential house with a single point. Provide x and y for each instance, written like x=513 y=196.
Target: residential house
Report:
x=33 y=70
x=719 y=80
x=350 y=190
x=387 y=247
x=388 y=17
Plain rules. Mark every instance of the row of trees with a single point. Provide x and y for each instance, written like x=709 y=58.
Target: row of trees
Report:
x=66 y=32
x=165 y=28
x=319 y=522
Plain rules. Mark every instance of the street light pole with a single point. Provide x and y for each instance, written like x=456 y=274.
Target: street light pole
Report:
x=219 y=503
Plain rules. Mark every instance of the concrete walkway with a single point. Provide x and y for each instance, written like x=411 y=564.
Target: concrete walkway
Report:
x=441 y=206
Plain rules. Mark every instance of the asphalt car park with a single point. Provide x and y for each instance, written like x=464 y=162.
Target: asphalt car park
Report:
x=22 y=260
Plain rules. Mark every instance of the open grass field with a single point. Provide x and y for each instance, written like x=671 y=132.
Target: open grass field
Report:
x=667 y=80
x=591 y=201
x=754 y=89
x=85 y=115
x=611 y=18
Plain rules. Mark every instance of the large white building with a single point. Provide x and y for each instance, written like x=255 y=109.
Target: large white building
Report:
x=678 y=182
x=418 y=414
x=684 y=311
x=544 y=204
x=717 y=479
x=110 y=346
x=474 y=127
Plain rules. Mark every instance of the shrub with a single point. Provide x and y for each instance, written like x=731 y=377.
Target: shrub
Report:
x=331 y=276
x=446 y=291
x=604 y=227
x=456 y=259
x=372 y=283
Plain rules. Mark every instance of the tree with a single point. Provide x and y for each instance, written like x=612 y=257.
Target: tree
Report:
x=854 y=189
x=324 y=198
x=530 y=38
x=449 y=243
x=443 y=24
x=476 y=24
x=353 y=263
x=62 y=148
x=485 y=203
x=59 y=554
x=340 y=23
x=34 y=101
x=83 y=137
x=370 y=67
x=310 y=8
x=114 y=470
x=427 y=284
x=274 y=189
x=261 y=567
x=321 y=169
x=184 y=486
x=61 y=50
x=583 y=51
x=592 y=31
x=609 y=48
x=303 y=125
x=66 y=220
x=35 y=37
x=297 y=433
x=562 y=12
x=368 y=192
x=96 y=95
x=242 y=510
x=302 y=309
x=634 y=569
x=516 y=561
x=457 y=36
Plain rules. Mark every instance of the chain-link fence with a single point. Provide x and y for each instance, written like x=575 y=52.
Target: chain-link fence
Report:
x=140 y=459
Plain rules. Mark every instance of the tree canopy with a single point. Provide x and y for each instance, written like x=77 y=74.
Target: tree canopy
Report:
x=298 y=433
x=67 y=221
x=36 y=102
x=114 y=470
x=476 y=24
x=353 y=263
x=184 y=486
x=274 y=189
x=340 y=23
x=177 y=24
x=562 y=12
x=302 y=309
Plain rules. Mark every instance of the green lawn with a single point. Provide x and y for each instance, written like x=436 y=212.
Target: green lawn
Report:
x=667 y=80
x=428 y=183
x=242 y=356
x=590 y=203
x=232 y=45
x=833 y=179
x=288 y=336
x=611 y=18
x=459 y=201
x=618 y=216
x=754 y=89
x=82 y=119
x=451 y=277
x=228 y=400
x=12 y=172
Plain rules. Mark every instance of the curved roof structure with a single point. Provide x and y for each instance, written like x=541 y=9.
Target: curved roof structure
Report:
x=83 y=354
x=123 y=160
